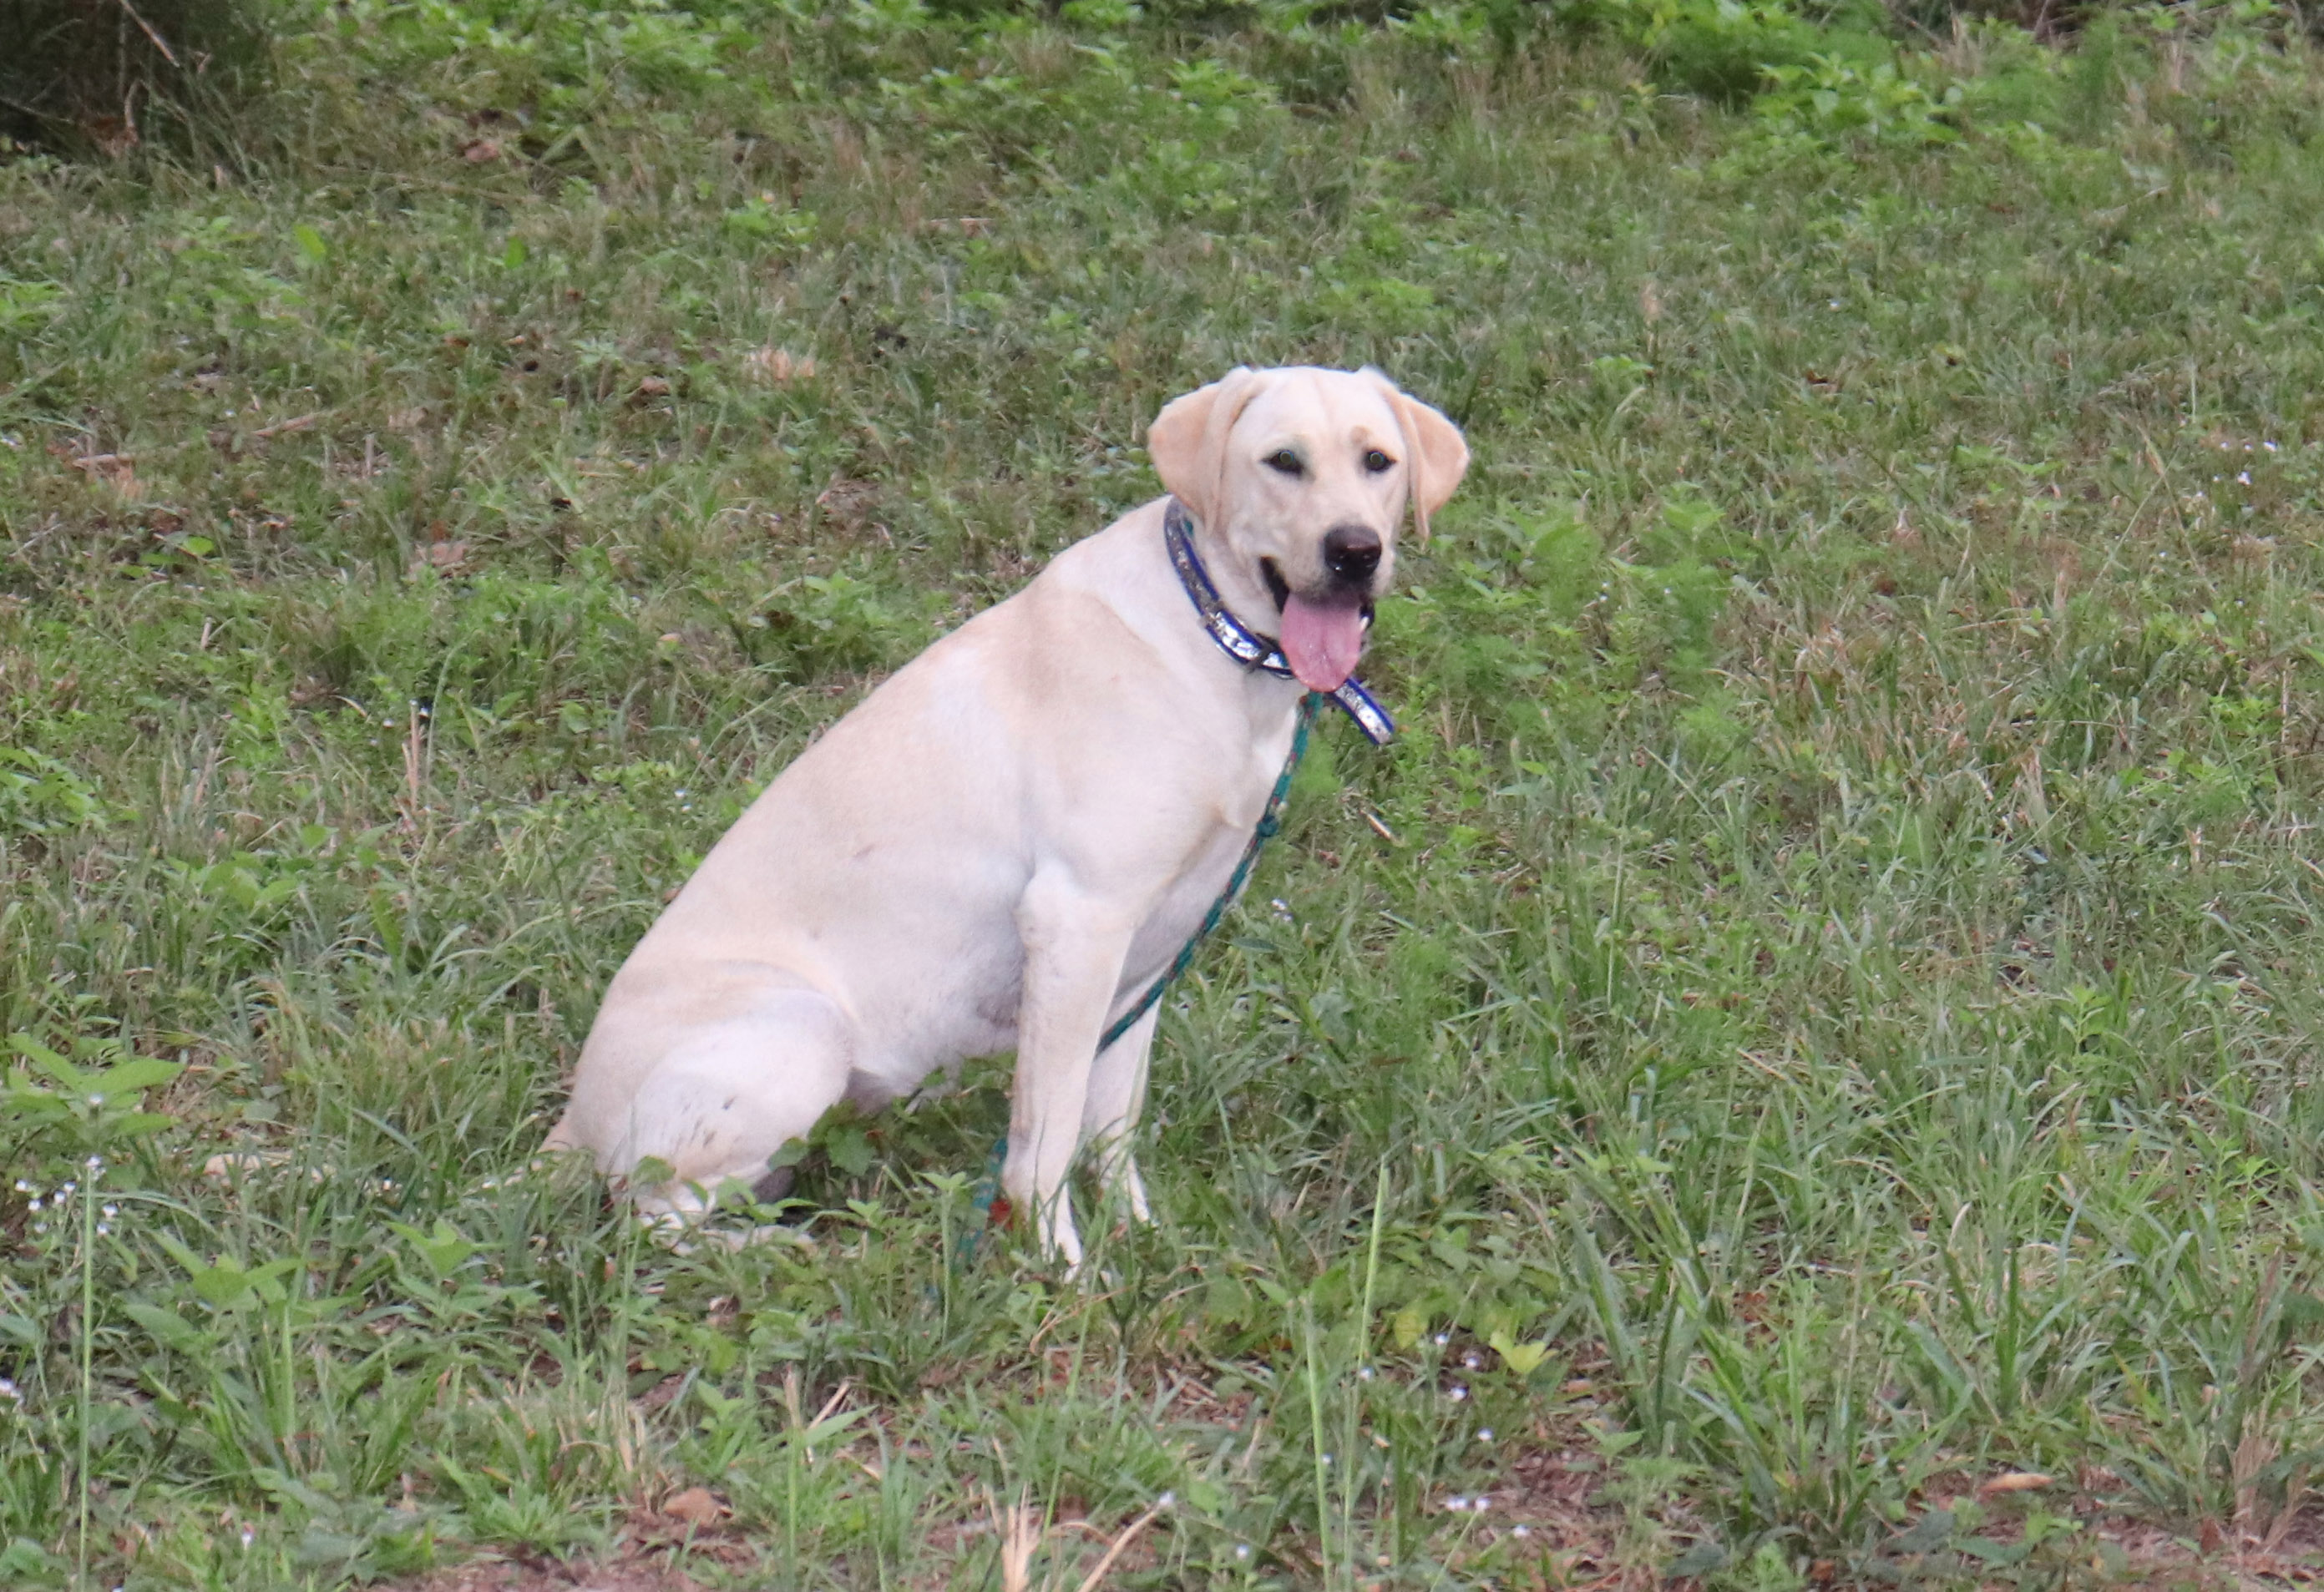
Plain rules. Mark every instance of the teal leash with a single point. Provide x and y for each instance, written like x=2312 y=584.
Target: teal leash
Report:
x=1270 y=822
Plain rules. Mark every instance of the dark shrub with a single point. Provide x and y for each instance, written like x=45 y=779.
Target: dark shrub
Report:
x=110 y=74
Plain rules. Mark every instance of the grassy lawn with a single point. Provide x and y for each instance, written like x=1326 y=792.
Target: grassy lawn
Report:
x=1798 y=1067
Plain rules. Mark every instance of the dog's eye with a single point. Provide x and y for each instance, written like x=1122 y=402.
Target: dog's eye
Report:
x=1284 y=460
x=1376 y=461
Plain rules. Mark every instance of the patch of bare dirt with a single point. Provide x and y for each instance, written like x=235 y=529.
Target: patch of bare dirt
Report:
x=498 y=1575
x=693 y=1523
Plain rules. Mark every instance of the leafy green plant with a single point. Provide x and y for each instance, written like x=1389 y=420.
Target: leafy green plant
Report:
x=41 y=795
x=1837 y=101
x=56 y=1111
x=819 y=624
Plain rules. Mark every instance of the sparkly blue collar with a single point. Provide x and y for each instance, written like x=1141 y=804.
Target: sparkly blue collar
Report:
x=1254 y=651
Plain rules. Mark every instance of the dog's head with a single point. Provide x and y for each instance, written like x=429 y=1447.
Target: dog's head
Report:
x=1297 y=481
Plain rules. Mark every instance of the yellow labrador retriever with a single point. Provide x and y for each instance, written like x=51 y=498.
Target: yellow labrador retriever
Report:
x=1006 y=844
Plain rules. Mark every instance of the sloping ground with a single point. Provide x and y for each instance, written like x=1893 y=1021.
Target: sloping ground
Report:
x=1815 y=1016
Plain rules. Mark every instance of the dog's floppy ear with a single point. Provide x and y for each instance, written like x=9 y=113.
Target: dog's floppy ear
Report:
x=1188 y=439
x=1433 y=445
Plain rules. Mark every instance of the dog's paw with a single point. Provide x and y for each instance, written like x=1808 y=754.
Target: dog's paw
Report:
x=1060 y=1241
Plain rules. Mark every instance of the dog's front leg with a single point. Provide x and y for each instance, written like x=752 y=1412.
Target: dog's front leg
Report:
x=1117 y=1095
x=1075 y=942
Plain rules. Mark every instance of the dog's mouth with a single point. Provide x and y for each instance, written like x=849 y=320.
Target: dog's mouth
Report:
x=1279 y=589
x=1320 y=639
x=1276 y=586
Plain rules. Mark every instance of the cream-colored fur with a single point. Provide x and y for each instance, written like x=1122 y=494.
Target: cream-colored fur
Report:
x=1010 y=839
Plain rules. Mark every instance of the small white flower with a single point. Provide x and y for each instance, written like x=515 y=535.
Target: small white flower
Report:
x=1471 y=1361
x=2243 y=477
x=1521 y=1530
x=95 y=1163
x=1484 y=1434
x=249 y=1535
x=1458 y=1393
x=1166 y=1501
x=96 y=1100
x=1479 y=1506
x=1364 y=1372
x=1442 y=1339
x=1457 y=1505
x=24 y=1188
x=33 y=1203
x=108 y=1212
x=1242 y=1551
x=8 y=1390
x=1324 y=1458
x=102 y=1229
x=65 y=1190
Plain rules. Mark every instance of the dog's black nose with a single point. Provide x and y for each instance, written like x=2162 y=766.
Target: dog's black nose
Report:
x=1352 y=554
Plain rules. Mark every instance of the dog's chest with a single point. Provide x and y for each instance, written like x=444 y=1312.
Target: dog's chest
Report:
x=1209 y=869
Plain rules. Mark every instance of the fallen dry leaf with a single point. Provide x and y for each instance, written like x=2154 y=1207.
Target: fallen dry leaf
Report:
x=115 y=470
x=778 y=366
x=233 y=1163
x=2013 y=1481
x=696 y=1506
x=653 y=387
x=113 y=136
x=281 y=428
x=481 y=152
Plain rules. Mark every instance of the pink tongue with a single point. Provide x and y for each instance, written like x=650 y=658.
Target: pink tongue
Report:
x=1322 y=644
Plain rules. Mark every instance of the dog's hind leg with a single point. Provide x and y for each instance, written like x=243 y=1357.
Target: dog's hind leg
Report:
x=1117 y=1096
x=727 y=1095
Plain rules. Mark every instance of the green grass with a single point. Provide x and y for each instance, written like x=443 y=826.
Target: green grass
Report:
x=1819 y=1010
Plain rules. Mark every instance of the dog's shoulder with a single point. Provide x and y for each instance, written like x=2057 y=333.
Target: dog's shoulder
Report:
x=1096 y=596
